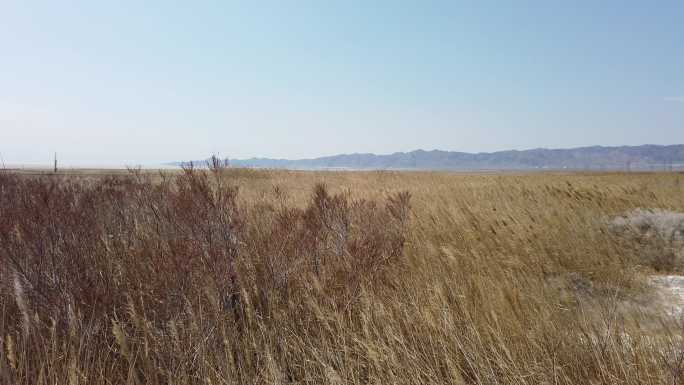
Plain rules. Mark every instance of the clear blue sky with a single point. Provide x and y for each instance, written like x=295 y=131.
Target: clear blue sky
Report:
x=122 y=82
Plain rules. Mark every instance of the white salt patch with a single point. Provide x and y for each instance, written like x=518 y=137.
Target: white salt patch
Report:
x=671 y=291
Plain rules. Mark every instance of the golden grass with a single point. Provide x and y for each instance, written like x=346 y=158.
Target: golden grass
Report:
x=502 y=279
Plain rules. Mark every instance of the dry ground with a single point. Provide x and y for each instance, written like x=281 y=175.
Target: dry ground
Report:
x=502 y=278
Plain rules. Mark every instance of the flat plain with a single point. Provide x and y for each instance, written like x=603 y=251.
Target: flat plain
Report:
x=241 y=276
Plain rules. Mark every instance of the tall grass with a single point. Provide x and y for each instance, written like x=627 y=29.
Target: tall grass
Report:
x=223 y=276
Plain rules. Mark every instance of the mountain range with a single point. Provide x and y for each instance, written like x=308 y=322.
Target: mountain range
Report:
x=644 y=157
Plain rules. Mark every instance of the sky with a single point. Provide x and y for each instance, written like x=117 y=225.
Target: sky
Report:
x=131 y=82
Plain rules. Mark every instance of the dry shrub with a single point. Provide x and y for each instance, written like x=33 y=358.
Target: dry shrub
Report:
x=657 y=234
x=336 y=242
x=122 y=264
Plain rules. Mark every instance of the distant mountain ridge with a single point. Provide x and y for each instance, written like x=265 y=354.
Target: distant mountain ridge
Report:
x=644 y=157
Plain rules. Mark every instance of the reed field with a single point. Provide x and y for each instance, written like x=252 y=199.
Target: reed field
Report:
x=240 y=276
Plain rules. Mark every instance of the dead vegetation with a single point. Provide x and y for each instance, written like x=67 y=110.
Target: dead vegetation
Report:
x=231 y=277
x=659 y=235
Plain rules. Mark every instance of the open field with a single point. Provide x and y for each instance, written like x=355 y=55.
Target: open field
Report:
x=239 y=276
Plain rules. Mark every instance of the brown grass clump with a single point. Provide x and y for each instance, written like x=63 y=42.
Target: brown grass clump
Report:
x=224 y=276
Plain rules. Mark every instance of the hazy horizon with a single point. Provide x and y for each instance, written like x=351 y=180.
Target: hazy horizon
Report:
x=127 y=83
x=175 y=163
